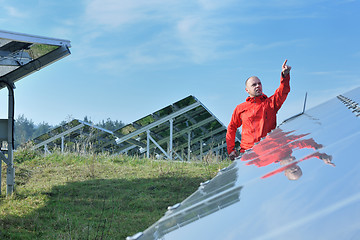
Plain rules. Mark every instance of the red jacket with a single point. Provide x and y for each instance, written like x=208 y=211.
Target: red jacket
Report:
x=257 y=115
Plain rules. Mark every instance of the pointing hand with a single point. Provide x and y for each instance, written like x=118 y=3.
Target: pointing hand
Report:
x=285 y=68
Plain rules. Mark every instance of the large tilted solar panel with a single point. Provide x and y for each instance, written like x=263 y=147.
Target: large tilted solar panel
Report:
x=300 y=182
x=192 y=125
x=22 y=54
x=75 y=133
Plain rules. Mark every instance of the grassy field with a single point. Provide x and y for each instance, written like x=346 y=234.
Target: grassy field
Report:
x=85 y=196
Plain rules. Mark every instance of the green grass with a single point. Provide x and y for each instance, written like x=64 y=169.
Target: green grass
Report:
x=77 y=196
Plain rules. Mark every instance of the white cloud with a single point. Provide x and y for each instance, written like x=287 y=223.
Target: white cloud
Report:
x=186 y=28
x=214 y=4
x=199 y=37
x=196 y=31
x=114 y=13
x=14 y=12
x=61 y=32
x=270 y=45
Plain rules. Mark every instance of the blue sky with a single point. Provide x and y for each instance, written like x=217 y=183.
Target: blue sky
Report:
x=132 y=57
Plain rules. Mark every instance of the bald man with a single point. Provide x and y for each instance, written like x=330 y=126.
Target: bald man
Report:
x=257 y=114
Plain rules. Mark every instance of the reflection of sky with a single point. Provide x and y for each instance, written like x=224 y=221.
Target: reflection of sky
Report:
x=301 y=209
x=323 y=204
x=353 y=95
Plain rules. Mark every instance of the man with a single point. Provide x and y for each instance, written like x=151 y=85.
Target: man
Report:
x=257 y=114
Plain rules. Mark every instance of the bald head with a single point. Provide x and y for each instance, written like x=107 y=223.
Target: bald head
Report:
x=253 y=86
x=252 y=77
x=293 y=173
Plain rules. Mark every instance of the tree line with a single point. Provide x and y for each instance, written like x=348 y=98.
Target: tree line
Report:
x=25 y=129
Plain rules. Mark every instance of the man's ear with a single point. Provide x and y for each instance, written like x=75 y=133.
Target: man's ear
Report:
x=246 y=90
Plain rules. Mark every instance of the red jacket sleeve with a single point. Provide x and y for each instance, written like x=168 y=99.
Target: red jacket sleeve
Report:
x=234 y=124
x=281 y=93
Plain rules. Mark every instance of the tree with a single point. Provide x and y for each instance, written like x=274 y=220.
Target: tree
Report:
x=24 y=129
x=110 y=125
x=41 y=128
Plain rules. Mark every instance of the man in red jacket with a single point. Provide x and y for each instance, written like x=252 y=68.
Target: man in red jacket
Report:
x=257 y=114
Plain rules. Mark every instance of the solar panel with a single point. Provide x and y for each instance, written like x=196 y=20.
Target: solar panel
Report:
x=74 y=134
x=301 y=181
x=183 y=130
x=21 y=55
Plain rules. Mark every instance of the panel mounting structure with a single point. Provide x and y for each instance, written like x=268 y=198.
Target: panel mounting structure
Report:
x=76 y=135
x=21 y=55
x=183 y=130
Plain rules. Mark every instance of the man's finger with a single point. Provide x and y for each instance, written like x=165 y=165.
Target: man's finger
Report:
x=284 y=64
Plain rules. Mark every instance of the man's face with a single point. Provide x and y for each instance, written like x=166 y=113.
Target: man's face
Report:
x=254 y=87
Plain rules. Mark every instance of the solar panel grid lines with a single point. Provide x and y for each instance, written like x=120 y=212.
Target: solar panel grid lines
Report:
x=58 y=136
x=183 y=127
x=55 y=131
x=193 y=118
x=178 y=138
x=151 y=125
x=76 y=131
x=22 y=54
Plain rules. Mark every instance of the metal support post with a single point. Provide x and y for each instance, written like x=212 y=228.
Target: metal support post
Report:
x=148 y=144
x=171 y=138
x=189 y=142
x=0 y=174
x=10 y=172
x=46 y=150
x=201 y=149
x=62 y=144
x=158 y=146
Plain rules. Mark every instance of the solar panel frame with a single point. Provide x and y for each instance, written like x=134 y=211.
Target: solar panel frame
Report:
x=185 y=116
x=41 y=50
x=77 y=132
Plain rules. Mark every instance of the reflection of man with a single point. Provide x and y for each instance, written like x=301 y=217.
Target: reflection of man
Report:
x=281 y=152
x=294 y=172
x=257 y=114
x=278 y=148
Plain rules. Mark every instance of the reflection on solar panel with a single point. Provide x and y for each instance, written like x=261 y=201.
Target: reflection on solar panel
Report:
x=21 y=55
x=300 y=182
x=182 y=130
x=77 y=135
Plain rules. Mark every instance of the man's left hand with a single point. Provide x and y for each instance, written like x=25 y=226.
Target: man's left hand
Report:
x=234 y=154
x=285 y=68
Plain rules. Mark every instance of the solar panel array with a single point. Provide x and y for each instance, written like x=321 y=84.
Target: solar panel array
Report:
x=74 y=136
x=181 y=131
